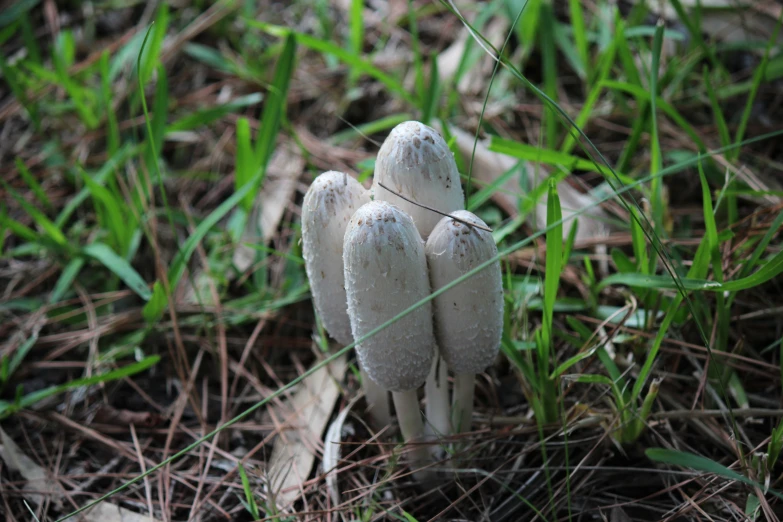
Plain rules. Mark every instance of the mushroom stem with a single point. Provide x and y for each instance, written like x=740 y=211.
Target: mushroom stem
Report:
x=464 y=385
x=377 y=400
x=437 y=409
x=412 y=427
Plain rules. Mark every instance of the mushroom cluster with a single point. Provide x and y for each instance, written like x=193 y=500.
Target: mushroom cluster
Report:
x=370 y=255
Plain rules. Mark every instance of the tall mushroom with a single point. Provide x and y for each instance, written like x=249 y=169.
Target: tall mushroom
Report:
x=416 y=163
x=386 y=273
x=329 y=203
x=469 y=316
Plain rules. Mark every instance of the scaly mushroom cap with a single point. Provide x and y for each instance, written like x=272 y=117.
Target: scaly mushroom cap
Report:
x=386 y=273
x=416 y=162
x=469 y=316
x=328 y=206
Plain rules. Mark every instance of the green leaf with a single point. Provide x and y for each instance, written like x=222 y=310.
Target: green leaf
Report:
x=550 y=157
x=699 y=463
x=14 y=10
x=249 y=498
x=203 y=117
x=323 y=46
x=106 y=256
x=177 y=267
x=119 y=158
x=38 y=191
x=245 y=161
x=274 y=106
x=657 y=282
x=151 y=60
x=28 y=400
x=153 y=310
x=52 y=231
x=66 y=279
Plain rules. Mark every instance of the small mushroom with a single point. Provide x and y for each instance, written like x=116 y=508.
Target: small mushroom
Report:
x=386 y=273
x=416 y=162
x=329 y=203
x=469 y=316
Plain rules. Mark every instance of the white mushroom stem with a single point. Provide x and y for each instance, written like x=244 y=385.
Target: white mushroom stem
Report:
x=436 y=393
x=412 y=428
x=464 y=386
x=377 y=400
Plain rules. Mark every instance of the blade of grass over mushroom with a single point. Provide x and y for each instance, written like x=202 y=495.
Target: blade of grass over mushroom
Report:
x=365 y=129
x=281 y=390
x=347 y=57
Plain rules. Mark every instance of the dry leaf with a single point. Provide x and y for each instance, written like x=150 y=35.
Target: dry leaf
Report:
x=294 y=451
x=332 y=452
x=37 y=477
x=108 y=512
x=39 y=480
x=729 y=20
x=449 y=59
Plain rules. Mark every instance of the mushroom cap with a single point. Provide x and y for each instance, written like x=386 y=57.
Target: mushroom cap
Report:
x=386 y=273
x=329 y=203
x=469 y=316
x=415 y=161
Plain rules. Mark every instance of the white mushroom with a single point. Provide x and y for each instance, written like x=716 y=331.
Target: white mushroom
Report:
x=415 y=161
x=469 y=316
x=386 y=273
x=331 y=200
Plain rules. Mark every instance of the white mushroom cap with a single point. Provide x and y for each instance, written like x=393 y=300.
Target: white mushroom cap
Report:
x=469 y=316
x=416 y=162
x=386 y=273
x=330 y=202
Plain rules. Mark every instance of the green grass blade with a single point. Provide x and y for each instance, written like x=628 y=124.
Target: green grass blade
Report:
x=36 y=188
x=717 y=111
x=51 y=229
x=758 y=77
x=151 y=59
x=66 y=279
x=244 y=163
x=699 y=463
x=274 y=106
x=120 y=373
x=580 y=34
x=121 y=268
x=658 y=204
x=126 y=152
x=346 y=57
